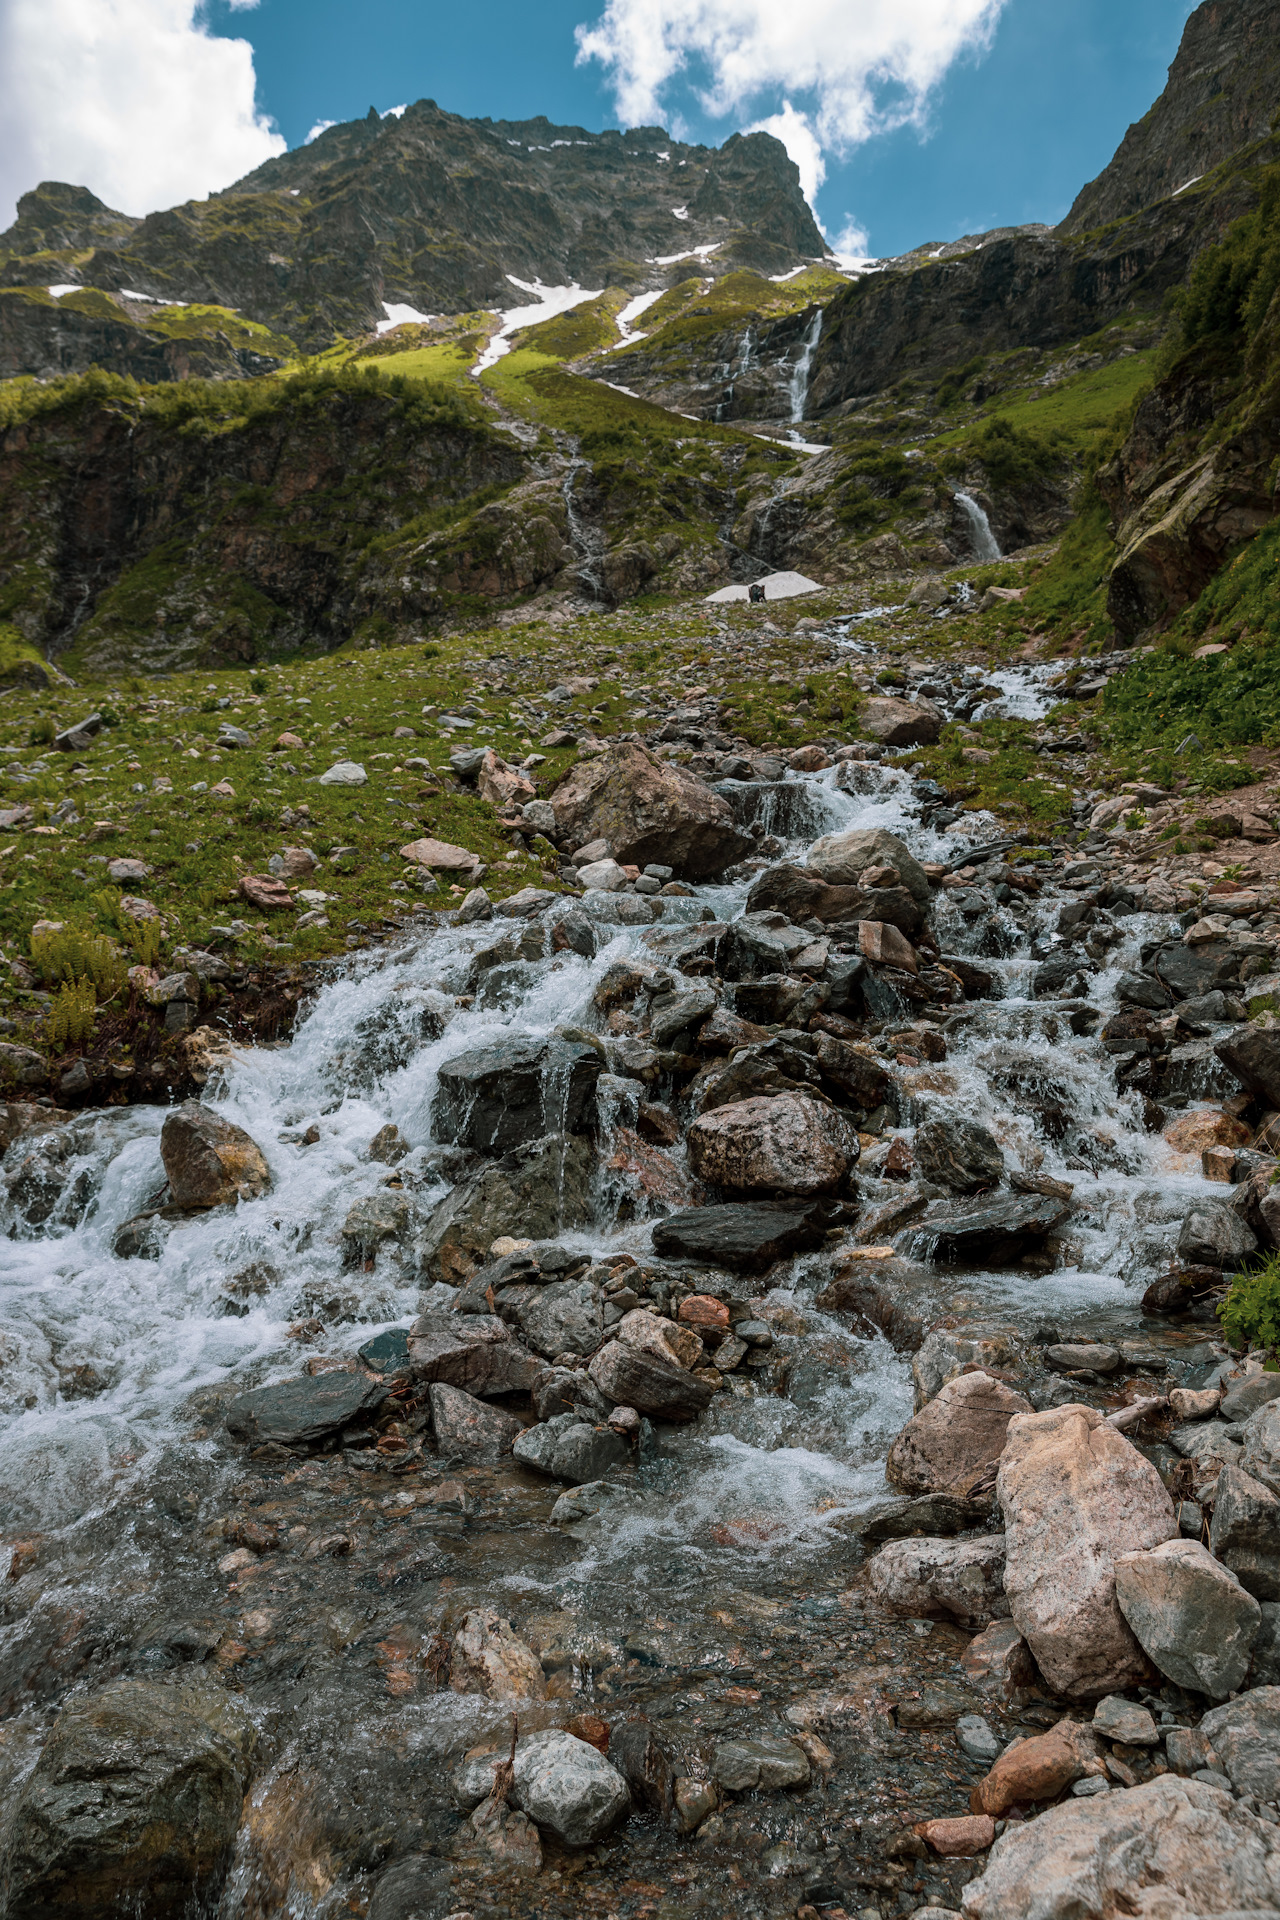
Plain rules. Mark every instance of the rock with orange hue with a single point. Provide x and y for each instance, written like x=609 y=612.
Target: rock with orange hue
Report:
x=209 y=1160
x=1205 y=1127
x=783 y=1143
x=266 y=892
x=1038 y=1769
x=649 y=813
x=705 y=1312
x=956 y=1438
x=502 y=785
x=998 y=1661
x=650 y=1171
x=296 y=863
x=959 y=1839
x=885 y=946
x=490 y=1658
x=808 y=760
x=289 y=740
x=440 y=855
x=1075 y=1496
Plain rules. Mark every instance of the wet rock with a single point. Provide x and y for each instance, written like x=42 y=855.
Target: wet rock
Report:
x=1038 y=1768
x=1075 y=1494
x=1190 y=1614
x=956 y=1440
x=20 y=1118
x=649 y=812
x=540 y=1189
x=974 y=1735
x=1172 y=1847
x=933 y=1513
x=1253 y=1055
x=1189 y=972
x=640 y=1369
x=1265 y=1671
x=644 y=1763
x=583 y=1504
x=990 y=1233
x=1116 y=1718
x=787 y=1144
x=998 y=1661
x=209 y=1161
x=568 y=1448
x=473 y=1351
x=388 y=1146
x=859 y=1074
x=379 y=1220
x=574 y=934
x=958 y=1154
x=951 y=1351
x=1245 y=1735
x=564 y=1317
x=563 y=1390
x=565 y=1785
x=744 y=1237
x=1245 y=1532
x=671 y=1013
x=802 y=895
x=1082 y=1356
x=511 y=1091
x=508 y=1840
x=418 y=1887
x=870 y=1300
x=306 y=1411
x=133 y=1804
x=960 y=1578
x=841 y=859
x=1240 y=1398
x=469 y=1429
x=490 y=1658
x=765 y=1764
x=1214 y=1235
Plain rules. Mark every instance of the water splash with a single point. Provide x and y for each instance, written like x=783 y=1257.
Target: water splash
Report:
x=984 y=543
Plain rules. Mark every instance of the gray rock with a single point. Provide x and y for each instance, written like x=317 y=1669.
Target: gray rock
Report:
x=1261 y=1454
x=671 y=1013
x=209 y=1161
x=644 y=1763
x=1245 y=1735
x=1214 y=1235
x=229 y=736
x=1190 y=972
x=305 y=1411
x=1116 y=1718
x=584 y=1503
x=470 y=1429
x=562 y=1317
x=133 y=1804
x=1265 y=1671
x=511 y=1091
x=568 y=1448
x=75 y=738
x=379 y=1220
x=537 y=1190
x=561 y=1390
x=745 y=1236
x=1189 y=1614
x=473 y=1351
x=976 y=1739
x=993 y=1232
x=958 y=1154
x=767 y=1763
x=1245 y=1532
x=842 y=858
x=633 y=1376
x=565 y=1784
x=1253 y=1055
x=1083 y=1356
x=963 y=1578
x=344 y=773
x=1240 y=1398
x=419 y=1887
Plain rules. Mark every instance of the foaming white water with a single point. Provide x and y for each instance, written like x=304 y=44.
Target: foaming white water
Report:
x=1024 y=693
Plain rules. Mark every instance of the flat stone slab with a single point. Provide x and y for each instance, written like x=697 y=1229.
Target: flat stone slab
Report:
x=304 y=1411
x=749 y=1237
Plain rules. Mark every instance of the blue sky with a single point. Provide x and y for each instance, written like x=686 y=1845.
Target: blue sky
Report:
x=1010 y=134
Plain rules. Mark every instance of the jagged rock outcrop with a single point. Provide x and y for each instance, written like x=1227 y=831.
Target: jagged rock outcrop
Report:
x=1223 y=92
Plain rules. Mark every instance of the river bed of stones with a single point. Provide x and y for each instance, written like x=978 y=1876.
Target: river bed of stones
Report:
x=684 y=1400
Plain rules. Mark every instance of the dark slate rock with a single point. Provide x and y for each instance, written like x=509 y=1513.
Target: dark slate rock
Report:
x=802 y=895
x=958 y=1154
x=990 y=1233
x=1143 y=990
x=386 y=1352
x=305 y=1411
x=499 y=1096
x=1254 y=1058
x=1190 y=971
x=1058 y=971
x=933 y=1514
x=746 y=1237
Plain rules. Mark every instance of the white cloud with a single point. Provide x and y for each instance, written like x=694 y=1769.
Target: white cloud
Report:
x=132 y=98
x=798 y=137
x=321 y=126
x=864 y=65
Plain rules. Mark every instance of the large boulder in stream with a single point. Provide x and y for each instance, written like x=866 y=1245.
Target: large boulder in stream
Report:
x=210 y=1161
x=804 y=895
x=133 y=1805
x=989 y=1232
x=843 y=858
x=516 y=1089
x=956 y=1439
x=1076 y=1495
x=536 y=1191
x=649 y=813
x=473 y=1351
x=780 y=1144
x=307 y=1411
x=1253 y=1055
x=748 y=1238
x=958 y=1154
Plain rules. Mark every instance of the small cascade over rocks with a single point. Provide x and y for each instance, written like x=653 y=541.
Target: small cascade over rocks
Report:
x=507 y=1442
x=984 y=543
x=799 y=391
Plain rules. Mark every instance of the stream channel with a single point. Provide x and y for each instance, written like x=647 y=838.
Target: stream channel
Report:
x=719 y=1592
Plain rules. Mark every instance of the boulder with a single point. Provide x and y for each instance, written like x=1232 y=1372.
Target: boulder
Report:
x=956 y=1439
x=747 y=1238
x=901 y=723
x=1116 y=1718
x=344 y=773
x=802 y=894
x=1190 y=972
x=1075 y=1494
x=473 y=1351
x=863 y=1077
x=564 y=1317
x=306 y=1411
x=990 y=1233
x=1169 y=1850
x=1240 y=1398
x=565 y=1784
x=133 y=1805
x=649 y=812
x=539 y=1190
x=1261 y=1456
x=469 y=1429
x=208 y=1160
x=949 y=1351
x=998 y=1662
x=1253 y=1055
x=789 y=1143
x=440 y=856
x=961 y=1578
x=763 y=1764
x=511 y=1091
x=644 y=1368
x=1245 y=1532
x=1190 y=1614
x=638 y=1754
x=842 y=858
x=380 y=1219
x=1214 y=1235
x=884 y=946
x=1038 y=1768
x=958 y=1154
x=569 y=1448
x=1245 y=1735
x=490 y=1658
x=671 y=1013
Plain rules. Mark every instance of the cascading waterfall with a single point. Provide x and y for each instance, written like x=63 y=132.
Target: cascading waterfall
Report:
x=985 y=545
x=800 y=374
x=587 y=541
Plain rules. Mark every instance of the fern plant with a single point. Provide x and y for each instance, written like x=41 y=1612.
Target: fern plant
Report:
x=69 y=1022
x=66 y=955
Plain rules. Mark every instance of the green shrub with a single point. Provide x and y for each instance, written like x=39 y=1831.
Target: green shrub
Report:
x=43 y=732
x=1250 y=1314
x=1233 y=284
x=68 y=955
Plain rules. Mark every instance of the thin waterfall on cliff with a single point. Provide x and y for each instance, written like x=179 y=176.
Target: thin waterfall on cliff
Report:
x=985 y=544
x=800 y=374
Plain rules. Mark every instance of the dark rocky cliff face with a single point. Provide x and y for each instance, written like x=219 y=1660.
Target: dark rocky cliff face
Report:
x=1223 y=93
x=434 y=211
